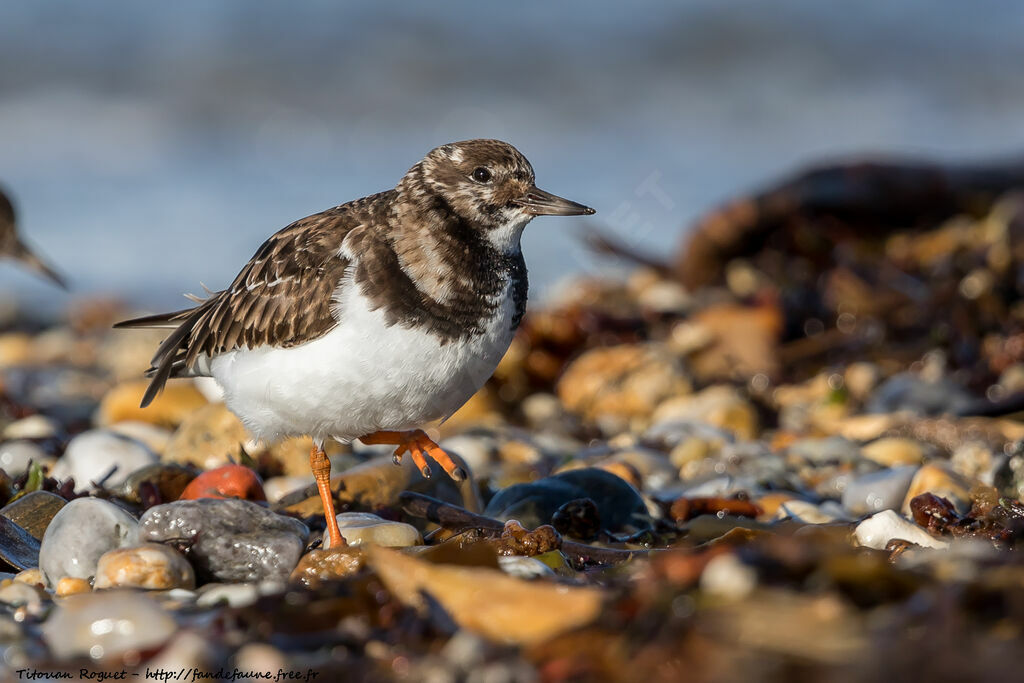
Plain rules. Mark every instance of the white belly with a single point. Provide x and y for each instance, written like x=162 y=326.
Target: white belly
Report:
x=361 y=377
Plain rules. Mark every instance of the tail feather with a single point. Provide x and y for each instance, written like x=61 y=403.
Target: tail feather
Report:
x=158 y=320
x=169 y=356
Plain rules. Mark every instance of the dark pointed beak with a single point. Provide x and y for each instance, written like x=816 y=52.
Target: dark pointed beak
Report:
x=540 y=203
x=27 y=257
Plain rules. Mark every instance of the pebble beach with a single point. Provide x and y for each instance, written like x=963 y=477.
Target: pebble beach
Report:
x=807 y=463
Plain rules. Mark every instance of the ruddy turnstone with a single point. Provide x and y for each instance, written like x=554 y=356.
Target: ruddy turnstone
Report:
x=374 y=318
x=12 y=246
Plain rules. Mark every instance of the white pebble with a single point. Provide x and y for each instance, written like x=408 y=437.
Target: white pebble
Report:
x=91 y=455
x=362 y=527
x=876 y=532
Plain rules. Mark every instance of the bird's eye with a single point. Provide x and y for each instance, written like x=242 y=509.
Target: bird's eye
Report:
x=481 y=175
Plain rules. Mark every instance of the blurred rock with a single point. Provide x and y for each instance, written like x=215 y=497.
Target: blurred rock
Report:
x=208 y=437
x=944 y=483
x=229 y=540
x=620 y=508
x=15 y=456
x=876 y=491
x=17 y=594
x=70 y=585
x=485 y=601
x=91 y=455
x=614 y=387
x=906 y=392
x=107 y=626
x=154 y=437
x=277 y=488
x=32 y=427
x=169 y=409
x=719 y=406
x=893 y=452
x=150 y=566
x=78 y=536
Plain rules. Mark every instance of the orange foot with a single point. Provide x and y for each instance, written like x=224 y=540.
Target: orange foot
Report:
x=417 y=444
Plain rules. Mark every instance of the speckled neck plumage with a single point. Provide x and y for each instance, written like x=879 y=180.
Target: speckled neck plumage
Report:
x=426 y=266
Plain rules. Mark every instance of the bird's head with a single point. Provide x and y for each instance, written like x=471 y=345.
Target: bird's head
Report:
x=487 y=183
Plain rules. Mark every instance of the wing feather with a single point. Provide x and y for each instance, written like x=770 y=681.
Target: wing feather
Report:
x=281 y=298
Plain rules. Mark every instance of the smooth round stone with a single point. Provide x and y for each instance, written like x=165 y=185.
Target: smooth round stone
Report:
x=358 y=528
x=524 y=567
x=20 y=594
x=479 y=451
x=894 y=451
x=882 y=490
x=236 y=594
x=34 y=511
x=70 y=585
x=32 y=577
x=727 y=578
x=620 y=507
x=941 y=481
x=720 y=406
x=151 y=566
x=829 y=449
x=320 y=565
x=17 y=455
x=78 y=536
x=154 y=437
x=107 y=625
x=93 y=454
x=277 y=488
x=876 y=532
x=907 y=392
x=32 y=427
x=805 y=512
x=231 y=540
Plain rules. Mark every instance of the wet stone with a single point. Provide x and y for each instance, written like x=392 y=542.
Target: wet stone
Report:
x=92 y=455
x=15 y=456
x=151 y=566
x=20 y=594
x=619 y=506
x=318 y=566
x=358 y=528
x=157 y=483
x=107 y=625
x=78 y=536
x=229 y=540
x=34 y=511
x=235 y=594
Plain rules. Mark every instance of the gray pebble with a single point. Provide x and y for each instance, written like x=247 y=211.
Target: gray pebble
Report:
x=79 y=534
x=230 y=540
x=877 y=491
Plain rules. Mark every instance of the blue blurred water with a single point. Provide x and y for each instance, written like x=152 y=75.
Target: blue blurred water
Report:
x=153 y=146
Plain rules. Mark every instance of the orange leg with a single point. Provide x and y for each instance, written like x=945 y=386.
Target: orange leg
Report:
x=321 y=467
x=420 y=446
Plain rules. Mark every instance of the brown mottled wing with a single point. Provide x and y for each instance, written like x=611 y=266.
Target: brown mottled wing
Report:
x=283 y=297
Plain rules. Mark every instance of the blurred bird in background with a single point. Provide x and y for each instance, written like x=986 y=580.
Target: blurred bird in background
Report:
x=13 y=247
